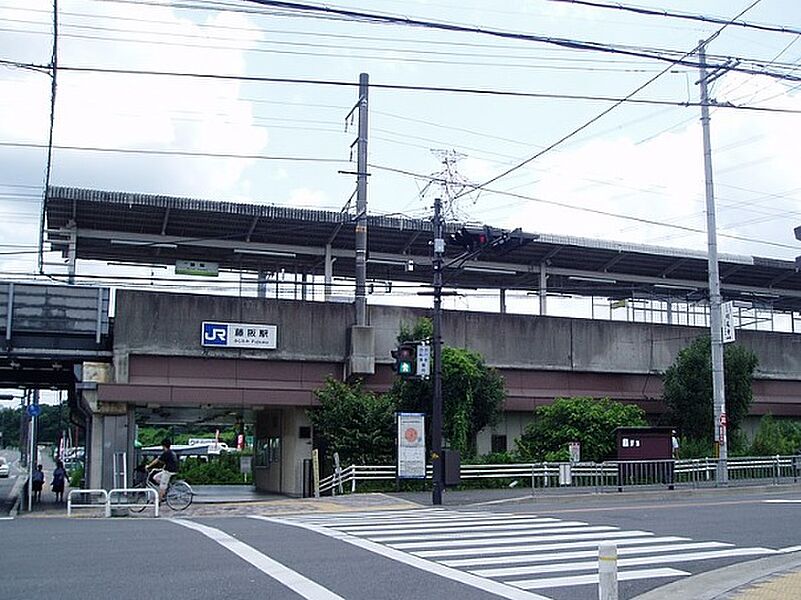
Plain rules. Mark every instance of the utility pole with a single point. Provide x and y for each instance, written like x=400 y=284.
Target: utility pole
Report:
x=718 y=383
x=436 y=412
x=361 y=203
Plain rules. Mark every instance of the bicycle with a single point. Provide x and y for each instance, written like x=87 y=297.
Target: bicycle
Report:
x=178 y=497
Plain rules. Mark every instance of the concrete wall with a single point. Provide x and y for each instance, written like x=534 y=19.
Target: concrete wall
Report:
x=165 y=324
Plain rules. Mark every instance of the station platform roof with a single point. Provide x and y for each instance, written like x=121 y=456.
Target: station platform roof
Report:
x=155 y=229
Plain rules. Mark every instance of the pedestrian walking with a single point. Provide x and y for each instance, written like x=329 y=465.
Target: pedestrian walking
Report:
x=59 y=478
x=674 y=441
x=38 y=483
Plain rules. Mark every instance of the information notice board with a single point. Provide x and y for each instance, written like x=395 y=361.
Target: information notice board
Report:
x=411 y=446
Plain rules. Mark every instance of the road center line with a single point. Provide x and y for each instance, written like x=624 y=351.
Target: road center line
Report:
x=270 y=567
x=487 y=585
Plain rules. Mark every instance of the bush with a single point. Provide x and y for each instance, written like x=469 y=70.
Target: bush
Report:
x=776 y=437
x=76 y=477
x=586 y=420
x=690 y=448
x=220 y=470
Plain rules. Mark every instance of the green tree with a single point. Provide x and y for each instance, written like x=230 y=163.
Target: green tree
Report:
x=586 y=420
x=688 y=388
x=358 y=424
x=472 y=393
x=51 y=423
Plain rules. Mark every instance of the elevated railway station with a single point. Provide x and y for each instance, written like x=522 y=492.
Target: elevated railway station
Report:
x=164 y=366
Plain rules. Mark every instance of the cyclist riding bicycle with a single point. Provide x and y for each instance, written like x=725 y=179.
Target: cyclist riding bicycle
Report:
x=168 y=461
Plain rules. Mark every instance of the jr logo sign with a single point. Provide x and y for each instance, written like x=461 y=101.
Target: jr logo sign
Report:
x=215 y=334
x=257 y=336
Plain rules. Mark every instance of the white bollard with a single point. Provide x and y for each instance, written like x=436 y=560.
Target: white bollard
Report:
x=607 y=571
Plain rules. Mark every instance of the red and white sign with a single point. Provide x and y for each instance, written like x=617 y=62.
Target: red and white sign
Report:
x=411 y=443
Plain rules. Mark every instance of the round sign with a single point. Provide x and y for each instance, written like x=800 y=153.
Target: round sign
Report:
x=34 y=410
x=411 y=435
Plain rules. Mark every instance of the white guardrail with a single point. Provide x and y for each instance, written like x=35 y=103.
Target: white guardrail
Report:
x=86 y=494
x=609 y=474
x=122 y=496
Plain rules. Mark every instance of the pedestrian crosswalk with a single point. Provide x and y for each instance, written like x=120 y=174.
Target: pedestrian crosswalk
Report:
x=526 y=553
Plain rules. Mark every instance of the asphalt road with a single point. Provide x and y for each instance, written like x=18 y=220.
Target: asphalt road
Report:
x=464 y=553
x=7 y=484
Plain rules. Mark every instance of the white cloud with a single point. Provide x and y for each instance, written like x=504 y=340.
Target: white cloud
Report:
x=308 y=198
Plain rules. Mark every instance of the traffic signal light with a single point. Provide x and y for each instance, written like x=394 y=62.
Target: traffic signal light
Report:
x=405 y=360
x=471 y=238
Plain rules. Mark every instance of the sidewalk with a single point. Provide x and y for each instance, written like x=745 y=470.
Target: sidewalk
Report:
x=776 y=577
x=48 y=503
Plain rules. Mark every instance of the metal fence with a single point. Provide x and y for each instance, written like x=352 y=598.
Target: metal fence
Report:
x=605 y=476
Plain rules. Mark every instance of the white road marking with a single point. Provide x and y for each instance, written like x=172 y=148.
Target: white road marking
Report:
x=790 y=549
x=644 y=538
x=571 y=580
x=599 y=531
x=487 y=585
x=460 y=525
x=622 y=562
x=402 y=521
x=552 y=528
x=270 y=567
x=504 y=549
x=782 y=501
x=6 y=518
x=545 y=557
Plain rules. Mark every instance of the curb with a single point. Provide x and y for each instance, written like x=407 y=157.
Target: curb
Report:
x=714 y=584
x=19 y=485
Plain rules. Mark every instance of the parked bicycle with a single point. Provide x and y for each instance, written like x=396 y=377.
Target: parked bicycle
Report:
x=178 y=497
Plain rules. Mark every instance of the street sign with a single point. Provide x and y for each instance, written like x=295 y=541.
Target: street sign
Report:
x=34 y=410
x=423 y=360
x=575 y=452
x=197 y=268
x=727 y=321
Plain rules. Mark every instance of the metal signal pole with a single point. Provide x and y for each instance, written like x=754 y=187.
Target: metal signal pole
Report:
x=436 y=412
x=718 y=383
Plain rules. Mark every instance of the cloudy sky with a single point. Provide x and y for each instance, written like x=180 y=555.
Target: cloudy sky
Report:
x=640 y=161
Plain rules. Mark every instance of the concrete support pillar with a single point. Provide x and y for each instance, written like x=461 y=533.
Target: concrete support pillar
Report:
x=261 y=284
x=503 y=301
x=94 y=478
x=670 y=312
x=304 y=286
x=329 y=272
x=543 y=290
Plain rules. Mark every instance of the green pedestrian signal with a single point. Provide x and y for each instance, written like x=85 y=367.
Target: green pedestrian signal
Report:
x=405 y=360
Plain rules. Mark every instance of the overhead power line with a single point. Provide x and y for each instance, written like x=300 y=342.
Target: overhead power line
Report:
x=595 y=211
x=412 y=88
x=677 y=15
x=389 y=19
x=609 y=109
x=176 y=153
